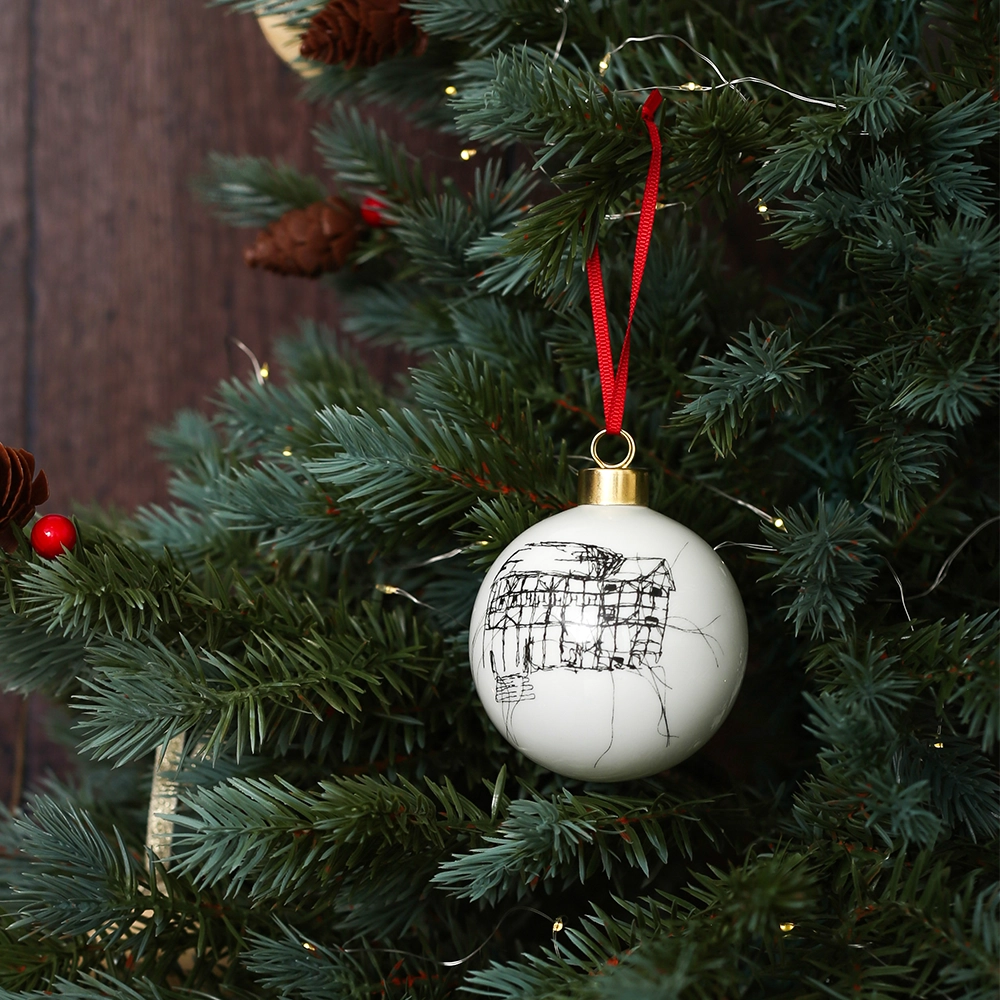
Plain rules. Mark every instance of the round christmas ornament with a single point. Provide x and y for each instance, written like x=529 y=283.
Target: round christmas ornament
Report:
x=52 y=535
x=608 y=642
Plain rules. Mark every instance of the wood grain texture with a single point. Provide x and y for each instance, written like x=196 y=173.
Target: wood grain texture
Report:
x=43 y=753
x=14 y=217
x=137 y=286
x=121 y=293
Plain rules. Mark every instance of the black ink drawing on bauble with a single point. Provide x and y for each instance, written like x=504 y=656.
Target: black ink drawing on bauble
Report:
x=576 y=606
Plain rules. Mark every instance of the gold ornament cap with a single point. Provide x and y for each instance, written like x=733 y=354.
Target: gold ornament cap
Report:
x=617 y=484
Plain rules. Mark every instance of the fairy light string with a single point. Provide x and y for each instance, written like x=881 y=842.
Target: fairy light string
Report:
x=555 y=922
x=692 y=87
x=260 y=371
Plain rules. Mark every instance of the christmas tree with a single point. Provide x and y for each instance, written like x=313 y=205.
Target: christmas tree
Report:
x=275 y=667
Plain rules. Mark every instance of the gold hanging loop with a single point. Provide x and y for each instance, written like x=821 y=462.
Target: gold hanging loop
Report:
x=624 y=463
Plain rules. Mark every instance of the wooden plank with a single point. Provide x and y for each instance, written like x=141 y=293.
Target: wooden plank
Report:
x=14 y=218
x=15 y=107
x=138 y=287
x=29 y=753
x=140 y=291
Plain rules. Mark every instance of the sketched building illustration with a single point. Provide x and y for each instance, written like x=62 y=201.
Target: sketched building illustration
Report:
x=576 y=606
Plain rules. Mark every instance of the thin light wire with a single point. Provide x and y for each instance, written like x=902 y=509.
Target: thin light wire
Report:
x=902 y=596
x=628 y=215
x=391 y=590
x=565 y=27
x=762 y=514
x=257 y=368
x=446 y=555
x=946 y=565
x=751 y=79
x=745 y=545
x=942 y=572
x=725 y=82
x=683 y=41
x=457 y=961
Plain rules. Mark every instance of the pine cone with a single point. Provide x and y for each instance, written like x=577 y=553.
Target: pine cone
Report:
x=18 y=494
x=307 y=241
x=360 y=33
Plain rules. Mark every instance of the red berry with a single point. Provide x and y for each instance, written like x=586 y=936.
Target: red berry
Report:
x=372 y=211
x=52 y=535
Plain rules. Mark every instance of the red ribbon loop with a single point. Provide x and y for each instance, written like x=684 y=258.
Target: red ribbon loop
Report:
x=613 y=384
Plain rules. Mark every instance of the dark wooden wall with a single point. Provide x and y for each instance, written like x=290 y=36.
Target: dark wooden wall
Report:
x=119 y=293
x=118 y=288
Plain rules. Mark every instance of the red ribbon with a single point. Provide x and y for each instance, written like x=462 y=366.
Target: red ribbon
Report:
x=613 y=384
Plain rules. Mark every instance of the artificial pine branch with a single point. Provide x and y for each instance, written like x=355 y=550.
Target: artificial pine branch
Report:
x=251 y=191
x=486 y=24
x=769 y=371
x=364 y=158
x=293 y=11
x=277 y=685
x=33 y=658
x=285 y=843
x=826 y=561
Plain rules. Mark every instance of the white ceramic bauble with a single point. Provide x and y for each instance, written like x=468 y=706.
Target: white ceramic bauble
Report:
x=608 y=642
